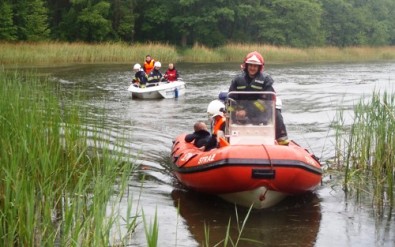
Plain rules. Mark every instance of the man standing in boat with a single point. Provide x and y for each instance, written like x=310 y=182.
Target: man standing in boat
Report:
x=254 y=79
x=148 y=65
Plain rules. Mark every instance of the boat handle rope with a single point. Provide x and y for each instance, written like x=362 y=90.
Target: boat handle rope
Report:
x=268 y=156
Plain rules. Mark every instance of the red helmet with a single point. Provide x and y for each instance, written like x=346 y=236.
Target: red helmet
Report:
x=254 y=58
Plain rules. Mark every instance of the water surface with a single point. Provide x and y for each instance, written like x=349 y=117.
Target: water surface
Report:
x=311 y=95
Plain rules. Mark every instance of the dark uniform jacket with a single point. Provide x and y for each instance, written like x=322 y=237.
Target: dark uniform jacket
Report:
x=202 y=138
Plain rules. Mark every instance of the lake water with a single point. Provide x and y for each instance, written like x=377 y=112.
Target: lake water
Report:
x=311 y=95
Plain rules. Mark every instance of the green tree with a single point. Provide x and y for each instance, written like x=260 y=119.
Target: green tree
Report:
x=93 y=22
x=57 y=10
x=378 y=16
x=200 y=21
x=184 y=22
x=87 y=20
x=7 y=28
x=288 y=22
x=31 y=20
x=123 y=19
x=247 y=23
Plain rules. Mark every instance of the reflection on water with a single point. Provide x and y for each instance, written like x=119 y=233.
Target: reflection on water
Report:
x=296 y=218
x=311 y=95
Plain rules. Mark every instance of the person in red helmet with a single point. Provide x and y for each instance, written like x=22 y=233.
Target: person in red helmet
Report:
x=254 y=78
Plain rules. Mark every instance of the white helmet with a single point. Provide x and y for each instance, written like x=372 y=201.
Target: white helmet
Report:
x=215 y=108
x=157 y=64
x=137 y=66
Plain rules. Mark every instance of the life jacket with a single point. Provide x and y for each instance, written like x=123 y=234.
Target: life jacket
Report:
x=171 y=75
x=148 y=66
x=219 y=123
x=219 y=126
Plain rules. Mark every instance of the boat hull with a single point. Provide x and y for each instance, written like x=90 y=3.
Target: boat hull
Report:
x=261 y=175
x=161 y=91
x=258 y=198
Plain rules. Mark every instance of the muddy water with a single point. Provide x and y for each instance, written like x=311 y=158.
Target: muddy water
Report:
x=311 y=94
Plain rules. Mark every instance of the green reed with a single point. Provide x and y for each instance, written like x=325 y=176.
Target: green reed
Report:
x=229 y=239
x=151 y=230
x=366 y=149
x=52 y=53
x=55 y=53
x=58 y=178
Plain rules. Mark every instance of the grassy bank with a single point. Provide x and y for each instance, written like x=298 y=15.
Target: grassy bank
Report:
x=54 y=53
x=57 y=178
x=366 y=150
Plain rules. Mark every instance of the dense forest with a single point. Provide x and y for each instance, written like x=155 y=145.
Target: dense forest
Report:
x=295 y=23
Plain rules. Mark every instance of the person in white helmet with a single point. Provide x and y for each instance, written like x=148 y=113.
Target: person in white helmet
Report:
x=254 y=78
x=155 y=75
x=140 y=77
x=215 y=112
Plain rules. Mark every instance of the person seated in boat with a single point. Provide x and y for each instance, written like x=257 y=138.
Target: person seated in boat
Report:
x=255 y=79
x=216 y=114
x=149 y=64
x=171 y=73
x=155 y=76
x=201 y=137
x=140 y=77
x=241 y=117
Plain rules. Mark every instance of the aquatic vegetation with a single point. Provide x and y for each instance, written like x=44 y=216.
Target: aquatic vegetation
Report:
x=56 y=53
x=52 y=53
x=366 y=149
x=59 y=180
x=228 y=240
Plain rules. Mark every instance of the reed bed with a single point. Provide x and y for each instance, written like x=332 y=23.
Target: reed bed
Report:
x=63 y=53
x=277 y=54
x=366 y=149
x=201 y=54
x=56 y=53
x=55 y=188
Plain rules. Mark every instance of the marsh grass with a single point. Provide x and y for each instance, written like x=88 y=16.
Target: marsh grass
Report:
x=55 y=188
x=366 y=149
x=151 y=230
x=229 y=239
x=277 y=54
x=64 y=53
x=56 y=53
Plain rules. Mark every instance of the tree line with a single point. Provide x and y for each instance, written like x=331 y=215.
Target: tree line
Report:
x=295 y=23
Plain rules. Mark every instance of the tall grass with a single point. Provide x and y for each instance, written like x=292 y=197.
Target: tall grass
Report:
x=55 y=188
x=228 y=240
x=61 y=53
x=367 y=149
x=278 y=54
x=54 y=53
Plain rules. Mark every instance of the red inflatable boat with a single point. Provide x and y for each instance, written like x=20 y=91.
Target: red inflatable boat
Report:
x=249 y=167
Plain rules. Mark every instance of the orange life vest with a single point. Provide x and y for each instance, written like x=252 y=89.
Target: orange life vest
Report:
x=219 y=121
x=148 y=66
